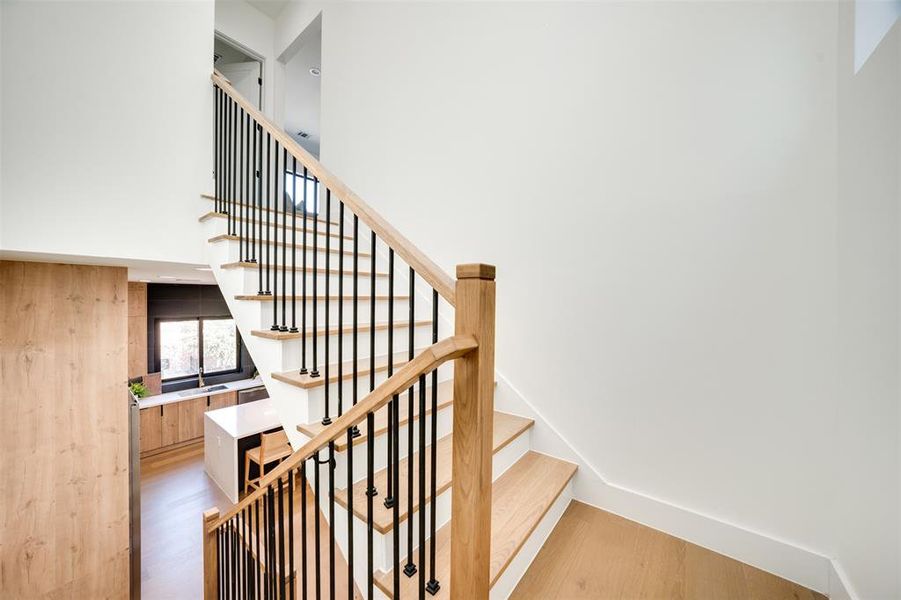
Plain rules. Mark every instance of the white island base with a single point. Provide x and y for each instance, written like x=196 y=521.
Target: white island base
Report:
x=222 y=429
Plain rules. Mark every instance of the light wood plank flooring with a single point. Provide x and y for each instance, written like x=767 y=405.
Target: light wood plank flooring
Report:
x=175 y=491
x=598 y=555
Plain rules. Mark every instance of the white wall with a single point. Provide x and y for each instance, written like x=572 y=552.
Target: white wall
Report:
x=693 y=210
x=116 y=97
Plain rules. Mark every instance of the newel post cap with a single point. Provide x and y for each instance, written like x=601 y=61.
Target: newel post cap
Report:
x=476 y=271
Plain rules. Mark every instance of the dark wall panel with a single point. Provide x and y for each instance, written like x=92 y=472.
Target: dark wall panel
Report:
x=173 y=301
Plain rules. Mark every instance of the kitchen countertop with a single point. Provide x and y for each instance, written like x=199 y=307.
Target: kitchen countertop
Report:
x=243 y=420
x=170 y=397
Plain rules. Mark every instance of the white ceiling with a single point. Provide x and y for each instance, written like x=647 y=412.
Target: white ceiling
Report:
x=302 y=90
x=138 y=270
x=271 y=8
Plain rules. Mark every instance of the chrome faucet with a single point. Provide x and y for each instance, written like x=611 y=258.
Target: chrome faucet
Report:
x=200 y=382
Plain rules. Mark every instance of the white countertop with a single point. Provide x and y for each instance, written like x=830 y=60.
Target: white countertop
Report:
x=181 y=396
x=245 y=419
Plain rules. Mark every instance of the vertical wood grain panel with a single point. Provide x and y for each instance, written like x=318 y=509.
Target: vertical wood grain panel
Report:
x=64 y=461
x=137 y=329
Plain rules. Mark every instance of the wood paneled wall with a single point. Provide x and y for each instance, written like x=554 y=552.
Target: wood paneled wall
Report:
x=63 y=431
x=137 y=329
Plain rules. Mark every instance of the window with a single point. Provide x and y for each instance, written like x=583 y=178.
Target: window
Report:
x=181 y=342
x=297 y=179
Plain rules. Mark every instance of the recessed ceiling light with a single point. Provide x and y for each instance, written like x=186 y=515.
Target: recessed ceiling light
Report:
x=144 y=280
x=167 y=277
x=315 y=72
x=204 y=269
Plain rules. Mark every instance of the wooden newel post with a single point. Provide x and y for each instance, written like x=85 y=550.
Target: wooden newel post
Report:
x=473 y=432
x=210 y=554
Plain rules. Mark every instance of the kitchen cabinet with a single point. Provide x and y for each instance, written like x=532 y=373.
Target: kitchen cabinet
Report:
x=170 y=424
x=151 y=429
x=222 y=400
x=190 y=418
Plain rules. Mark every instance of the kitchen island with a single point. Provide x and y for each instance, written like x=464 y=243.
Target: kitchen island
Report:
x=227 y=433
x=175 y=419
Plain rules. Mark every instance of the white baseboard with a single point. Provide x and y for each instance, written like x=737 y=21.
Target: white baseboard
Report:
x=780 y=557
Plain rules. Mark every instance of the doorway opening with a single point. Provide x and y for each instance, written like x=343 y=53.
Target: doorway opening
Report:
x=303 y=85
x=241 y=67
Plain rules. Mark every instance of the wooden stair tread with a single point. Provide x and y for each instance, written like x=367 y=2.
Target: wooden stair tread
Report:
x=299 y=268
x=335 y=233
x=445 y=398
x=293 y=377
x=519 y=500
x=223 y=237
x=507 y=427
x=347 y=329
x=346 y=298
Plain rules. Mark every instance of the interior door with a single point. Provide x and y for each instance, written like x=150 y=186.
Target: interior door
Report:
x=246 y=78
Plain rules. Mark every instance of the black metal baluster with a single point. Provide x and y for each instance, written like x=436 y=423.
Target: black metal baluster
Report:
x=350 y=513
x=282 y=566
x=258 y=202
x=433 y=586
x=372 y=490
x=294 y=247
x=315 y=371
x=410 y=568
x=251 y=197
x=268 y=211
x=241 y=184
x=370 y=494
x=340 y=308
x=422 y=498
x=258 y=588
x=233 y=555
x=228 y=154
x=355 y=429
x=247 y=225
x=317 y=539
x=275 y=211
x=216 y=170
x=271 y=544
x=303 y=305
x=233 y=149
x=281 y=203
x=331 y=519
x=392 y=405
x=327 y=419
x=396 y=492
x=303 y=528
x=291 y=577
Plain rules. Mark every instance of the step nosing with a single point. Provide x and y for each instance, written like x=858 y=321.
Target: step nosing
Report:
x=383 y=527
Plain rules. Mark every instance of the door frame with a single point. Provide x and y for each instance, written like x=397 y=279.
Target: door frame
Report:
x=218 y=35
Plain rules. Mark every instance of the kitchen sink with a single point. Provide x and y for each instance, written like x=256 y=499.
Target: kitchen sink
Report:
x=212 y=388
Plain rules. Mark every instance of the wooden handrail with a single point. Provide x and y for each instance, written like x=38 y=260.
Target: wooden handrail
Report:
x=433 y=274
x=426 y=361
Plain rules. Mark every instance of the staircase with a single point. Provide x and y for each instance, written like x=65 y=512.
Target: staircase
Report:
x=381 y=369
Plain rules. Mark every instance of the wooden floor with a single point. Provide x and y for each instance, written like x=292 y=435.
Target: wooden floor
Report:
x=175 y=491
x=594 y=554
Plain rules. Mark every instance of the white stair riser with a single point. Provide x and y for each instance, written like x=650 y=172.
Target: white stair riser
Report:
x=316 y=396
x=381 y=310
x=292 y=349
x=383 y=544
x=252 y=282
x=380 y=456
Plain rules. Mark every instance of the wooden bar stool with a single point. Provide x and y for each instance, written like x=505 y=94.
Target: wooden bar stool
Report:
x=274 y=447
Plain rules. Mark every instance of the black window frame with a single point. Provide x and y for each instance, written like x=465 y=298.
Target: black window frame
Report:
x=238 y=368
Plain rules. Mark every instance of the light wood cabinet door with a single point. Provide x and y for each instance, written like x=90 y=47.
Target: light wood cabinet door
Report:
x=223 y=400
x=170 y=423
x=190 y=419
x=151 y=428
